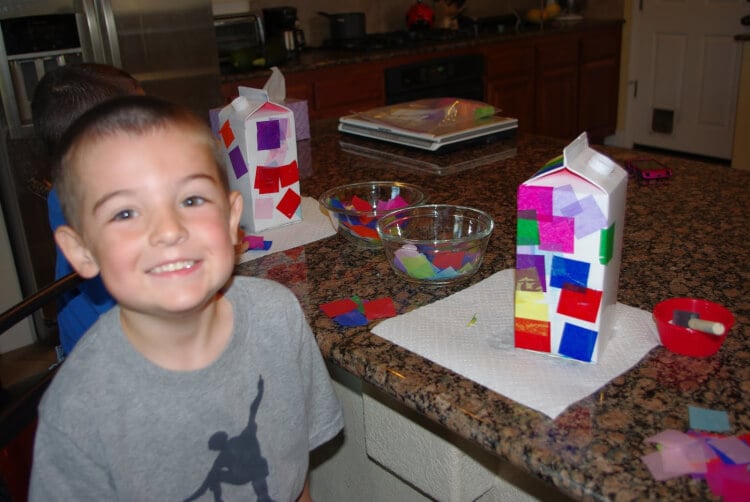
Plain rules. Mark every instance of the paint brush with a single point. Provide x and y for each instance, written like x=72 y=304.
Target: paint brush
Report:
x=692 y=320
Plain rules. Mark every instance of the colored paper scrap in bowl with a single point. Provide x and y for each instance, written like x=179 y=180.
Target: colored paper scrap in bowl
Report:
x=435 y=266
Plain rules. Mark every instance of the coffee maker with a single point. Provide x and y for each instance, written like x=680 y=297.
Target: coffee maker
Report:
x=284 y=37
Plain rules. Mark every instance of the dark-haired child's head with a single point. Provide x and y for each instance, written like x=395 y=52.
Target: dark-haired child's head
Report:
x=142 y=184
x=65 y=93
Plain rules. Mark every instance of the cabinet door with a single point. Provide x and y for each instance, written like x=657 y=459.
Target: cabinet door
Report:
x=599 y=83
x=515 y=98
x=349 y=88
x=556 y=107
x=510 y=81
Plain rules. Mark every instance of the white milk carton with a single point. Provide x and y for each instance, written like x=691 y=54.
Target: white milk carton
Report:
x=261 y=155
x=571 y=215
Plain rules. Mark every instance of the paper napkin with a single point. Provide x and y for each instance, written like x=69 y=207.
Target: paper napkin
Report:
x=315 y=225
x=471 y=333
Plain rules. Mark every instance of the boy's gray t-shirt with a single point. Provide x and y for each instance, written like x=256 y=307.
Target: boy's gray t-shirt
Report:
x=114 y=426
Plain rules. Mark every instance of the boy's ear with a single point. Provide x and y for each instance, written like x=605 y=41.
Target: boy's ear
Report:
x=76 y=252
x=235 y=212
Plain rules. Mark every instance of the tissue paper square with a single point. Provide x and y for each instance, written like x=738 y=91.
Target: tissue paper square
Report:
x=261 y=151
x=301 y=117
x=569 y=240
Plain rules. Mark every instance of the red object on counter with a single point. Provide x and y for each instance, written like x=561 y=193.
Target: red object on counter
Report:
x=420 y=16
x=687 y=341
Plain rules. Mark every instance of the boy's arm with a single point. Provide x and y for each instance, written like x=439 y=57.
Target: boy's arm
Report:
x=62 y=471
x=305 y=495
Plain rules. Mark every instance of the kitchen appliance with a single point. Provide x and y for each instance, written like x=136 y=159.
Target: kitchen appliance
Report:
x=284 y=37
x=345 y=27
x=239 y=41
x=170 y=47
x=33 y=46
x=456 y=76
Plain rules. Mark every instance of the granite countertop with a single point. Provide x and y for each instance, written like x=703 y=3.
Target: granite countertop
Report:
x=683 y=237
x=319 y=58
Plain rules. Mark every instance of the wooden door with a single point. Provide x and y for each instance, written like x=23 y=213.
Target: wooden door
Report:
x=685 y=74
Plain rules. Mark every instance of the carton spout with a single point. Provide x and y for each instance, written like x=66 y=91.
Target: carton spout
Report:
x=241 y=105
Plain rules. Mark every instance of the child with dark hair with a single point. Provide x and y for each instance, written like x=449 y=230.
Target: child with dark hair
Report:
x=197 y=385
x=60 y=97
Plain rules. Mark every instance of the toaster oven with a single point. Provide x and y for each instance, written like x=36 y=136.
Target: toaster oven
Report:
x=240 y=39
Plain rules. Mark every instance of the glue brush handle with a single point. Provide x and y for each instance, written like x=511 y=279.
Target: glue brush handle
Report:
x=712 y=327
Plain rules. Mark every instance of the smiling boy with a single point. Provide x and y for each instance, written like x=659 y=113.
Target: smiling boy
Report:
x=197 y=385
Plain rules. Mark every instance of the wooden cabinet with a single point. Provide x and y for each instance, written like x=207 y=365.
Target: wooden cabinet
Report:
x=341 y=90
x=559 y=84
x=556 y=87
x=598 y=86
x=509 y=81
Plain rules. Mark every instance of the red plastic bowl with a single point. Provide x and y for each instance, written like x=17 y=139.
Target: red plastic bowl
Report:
x=687 y=341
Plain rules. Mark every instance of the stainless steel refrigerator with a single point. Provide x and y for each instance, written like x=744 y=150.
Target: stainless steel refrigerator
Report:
x=168 y=45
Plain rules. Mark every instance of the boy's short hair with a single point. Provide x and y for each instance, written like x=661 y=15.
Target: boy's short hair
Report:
x=130 y=115
x=65 y=93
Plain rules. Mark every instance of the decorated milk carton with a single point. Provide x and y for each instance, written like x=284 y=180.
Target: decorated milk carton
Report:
x=261 y=156
x=569 y=244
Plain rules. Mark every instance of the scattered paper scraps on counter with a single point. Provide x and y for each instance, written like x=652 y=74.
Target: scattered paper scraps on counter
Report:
x=357 y=312
x=315 y=225
x=256 y=242
x=708 y=420
x=722 y=461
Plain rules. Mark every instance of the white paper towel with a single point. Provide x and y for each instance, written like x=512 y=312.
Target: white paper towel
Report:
x=315 y=225
x=483 y=351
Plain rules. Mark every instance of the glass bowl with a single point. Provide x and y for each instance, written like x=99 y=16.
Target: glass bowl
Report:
x=358 y=206
x=435 y=244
